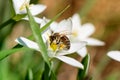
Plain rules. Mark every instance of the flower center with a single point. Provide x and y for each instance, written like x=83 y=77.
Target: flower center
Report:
x=75 y=33
x=54 y=46
x=59 y=42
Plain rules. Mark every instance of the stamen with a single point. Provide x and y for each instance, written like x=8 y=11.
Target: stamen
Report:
x=75 y=33
x=62 y=46
x=26 y=3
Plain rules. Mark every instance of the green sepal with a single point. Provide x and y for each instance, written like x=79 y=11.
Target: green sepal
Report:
x=19 y=17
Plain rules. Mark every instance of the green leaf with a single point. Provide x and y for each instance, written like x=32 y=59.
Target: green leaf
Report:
x=40 y=69
x=12 y=8
x=48 y=74
x=12 y=20
x=29 y=75
x=37 y=35
x=82 y=73
x=9 y=21
x=5 y=53
x=4 y=69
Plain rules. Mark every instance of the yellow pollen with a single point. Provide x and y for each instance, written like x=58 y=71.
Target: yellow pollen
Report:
x=75 y=33
x=54 y=46
x=62 y=46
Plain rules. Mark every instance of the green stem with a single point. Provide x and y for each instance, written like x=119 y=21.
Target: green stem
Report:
x=56 y=17
x=6 y=23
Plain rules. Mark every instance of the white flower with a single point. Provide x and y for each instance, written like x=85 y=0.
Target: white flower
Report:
x=114 y=55
x=20 y=7
x=58 y=43
x=83 y=33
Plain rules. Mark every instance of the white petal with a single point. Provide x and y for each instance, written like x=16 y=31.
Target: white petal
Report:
x=70 y=61
x=45 y=21
x=114 y=55
x=82 y=52
x=28 y=43
x=75 y=46
x=46 y=34
x=38 y=20
x=18 y=4
x=94 y=42
x=65 y=26
x=62 y=53
x=36 y=9
x=86 y=30
x=76 y=21
x=51 y=53
x=53 y=25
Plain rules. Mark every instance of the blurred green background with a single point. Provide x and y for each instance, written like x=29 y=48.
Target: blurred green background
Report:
x=104 y=14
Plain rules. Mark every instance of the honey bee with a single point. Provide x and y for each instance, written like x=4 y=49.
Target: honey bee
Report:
x=61 y=40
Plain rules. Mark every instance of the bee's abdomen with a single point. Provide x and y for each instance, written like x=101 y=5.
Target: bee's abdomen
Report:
x=65 y=41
